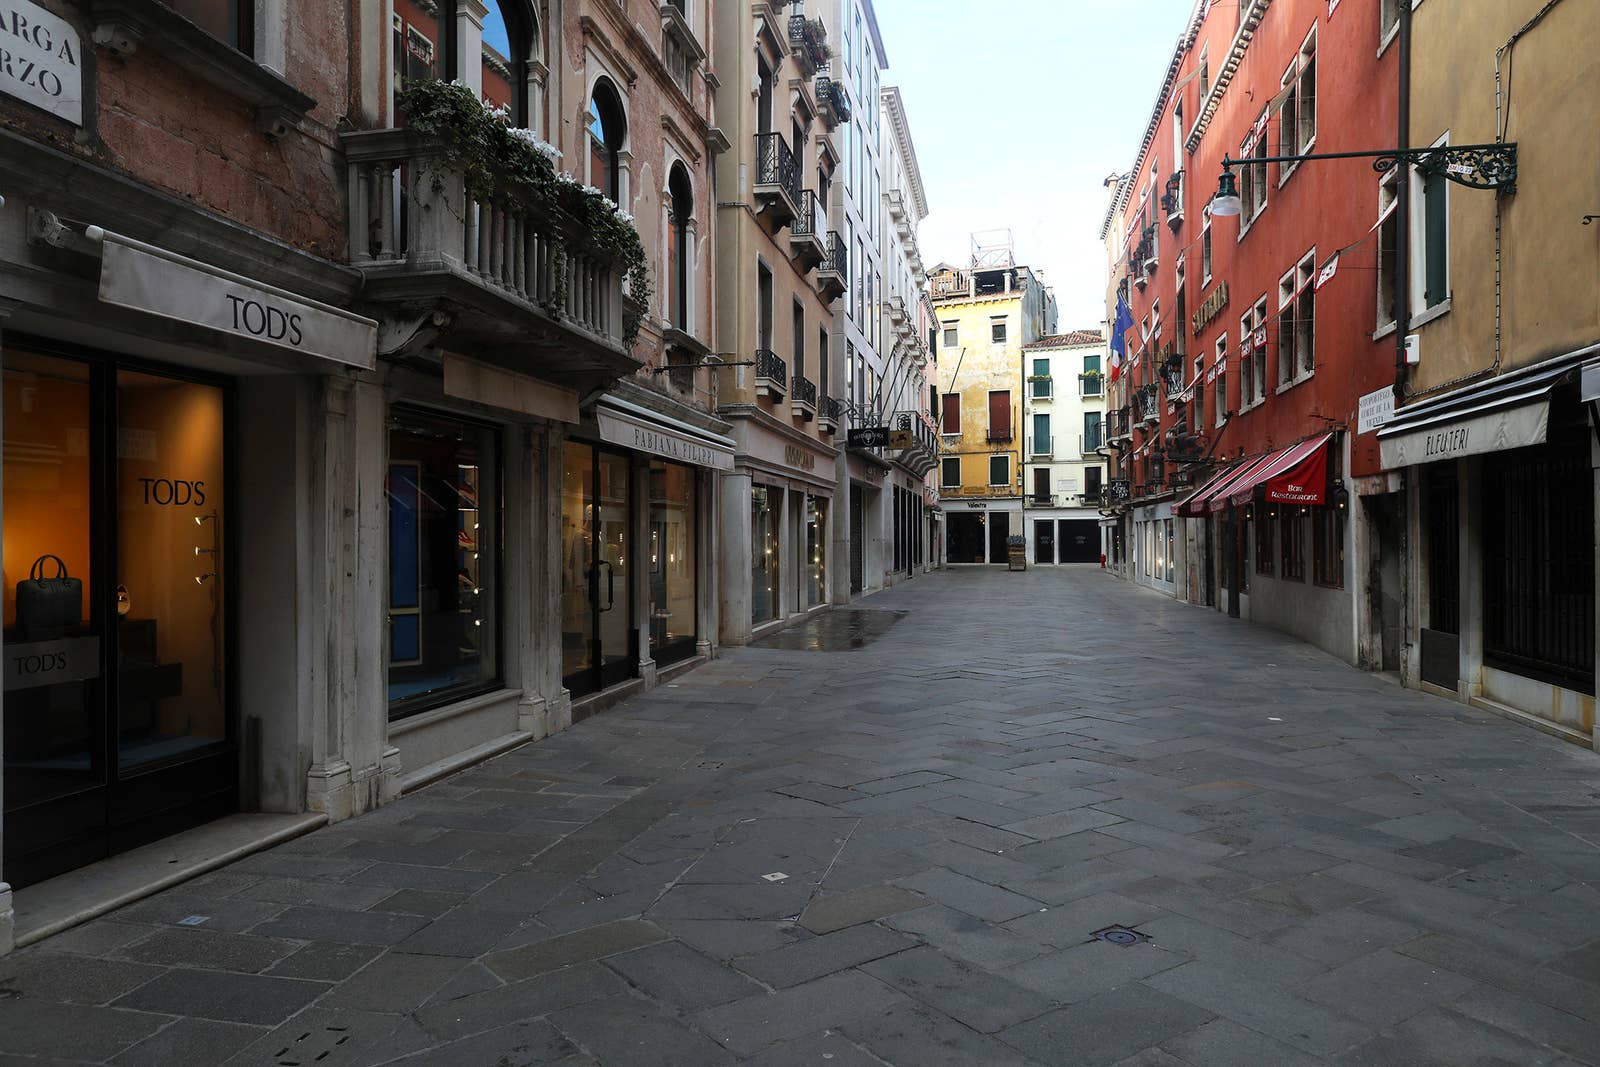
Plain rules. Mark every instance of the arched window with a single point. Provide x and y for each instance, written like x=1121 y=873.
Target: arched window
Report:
x=607 y=130
x=511 y=42
x=681 y=204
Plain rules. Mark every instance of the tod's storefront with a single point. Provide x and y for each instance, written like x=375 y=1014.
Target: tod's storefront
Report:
x=141 y=389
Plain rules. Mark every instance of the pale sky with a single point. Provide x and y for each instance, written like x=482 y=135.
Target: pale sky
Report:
x=1019 y=109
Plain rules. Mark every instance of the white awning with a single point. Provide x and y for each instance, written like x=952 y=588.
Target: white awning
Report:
x=1510 y=412
x=153 y=280
x=632 y=426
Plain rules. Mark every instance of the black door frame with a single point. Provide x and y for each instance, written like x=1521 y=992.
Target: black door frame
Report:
x=670 y=652
x=597 y=676
x=156 y=799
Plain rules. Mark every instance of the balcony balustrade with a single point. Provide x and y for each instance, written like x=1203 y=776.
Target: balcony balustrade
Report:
x=802 y=397
x=522 y=286
x=772 y=374
x=808 y=233
x=830 y=412
x=777 y=179
x=833 y=273
x=833 y=100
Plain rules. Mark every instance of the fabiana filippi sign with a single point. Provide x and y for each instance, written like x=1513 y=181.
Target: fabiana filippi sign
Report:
x=41 y=60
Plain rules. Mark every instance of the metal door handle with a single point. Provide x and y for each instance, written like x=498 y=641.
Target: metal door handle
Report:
x=611 y=585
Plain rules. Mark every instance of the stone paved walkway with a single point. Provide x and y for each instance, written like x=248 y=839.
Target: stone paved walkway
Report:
x=902 y=854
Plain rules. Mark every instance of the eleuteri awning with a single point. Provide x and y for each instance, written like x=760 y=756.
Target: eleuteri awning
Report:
x=1508 y=412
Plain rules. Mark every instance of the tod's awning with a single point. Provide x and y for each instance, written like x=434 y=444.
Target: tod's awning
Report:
x=153 y=280
x=1510 y=412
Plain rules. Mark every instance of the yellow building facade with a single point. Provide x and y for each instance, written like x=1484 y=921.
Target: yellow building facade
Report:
x=986 y=314
x=1491 y=445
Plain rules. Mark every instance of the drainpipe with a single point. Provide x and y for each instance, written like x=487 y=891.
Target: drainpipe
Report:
x=1402 y=191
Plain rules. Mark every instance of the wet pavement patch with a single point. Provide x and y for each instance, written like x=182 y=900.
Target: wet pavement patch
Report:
x=839 y=630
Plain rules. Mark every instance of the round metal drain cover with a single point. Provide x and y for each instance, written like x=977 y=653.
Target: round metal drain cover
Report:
x=1120 y=935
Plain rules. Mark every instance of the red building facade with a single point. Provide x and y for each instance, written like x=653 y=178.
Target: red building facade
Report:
x=1257 y=333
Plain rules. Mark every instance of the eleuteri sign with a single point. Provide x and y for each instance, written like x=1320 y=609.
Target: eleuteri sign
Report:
x=41 y=60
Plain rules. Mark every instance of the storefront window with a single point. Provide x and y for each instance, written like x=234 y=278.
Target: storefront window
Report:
x=444 y=557
x=765 y=505
x=817 y=550
x=673 y=545
x=1172 y=551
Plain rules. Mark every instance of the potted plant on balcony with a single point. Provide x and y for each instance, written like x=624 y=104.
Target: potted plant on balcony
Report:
x=476 y=142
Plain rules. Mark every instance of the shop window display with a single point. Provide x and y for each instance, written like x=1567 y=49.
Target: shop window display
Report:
x=443 y=491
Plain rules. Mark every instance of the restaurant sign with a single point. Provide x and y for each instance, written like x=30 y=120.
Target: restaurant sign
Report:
x=1209 y=308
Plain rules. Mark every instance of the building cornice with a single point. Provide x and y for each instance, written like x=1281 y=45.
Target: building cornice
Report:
x=1241 y=41
x=894 y=106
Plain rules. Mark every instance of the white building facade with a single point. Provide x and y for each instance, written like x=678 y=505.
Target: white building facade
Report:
x=1064 y=474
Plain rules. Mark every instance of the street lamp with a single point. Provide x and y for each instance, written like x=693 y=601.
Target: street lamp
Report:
x=1477 y=166
x=1226 y=202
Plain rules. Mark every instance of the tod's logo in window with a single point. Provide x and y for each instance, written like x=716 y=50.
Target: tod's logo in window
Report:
x=173 y=492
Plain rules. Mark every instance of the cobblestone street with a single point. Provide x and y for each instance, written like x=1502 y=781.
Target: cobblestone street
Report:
x=919 y=851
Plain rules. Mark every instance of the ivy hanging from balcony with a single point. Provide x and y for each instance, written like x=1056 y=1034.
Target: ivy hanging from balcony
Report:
x=495 y=158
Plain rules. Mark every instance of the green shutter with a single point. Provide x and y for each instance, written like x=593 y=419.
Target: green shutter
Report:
x=1436 y=225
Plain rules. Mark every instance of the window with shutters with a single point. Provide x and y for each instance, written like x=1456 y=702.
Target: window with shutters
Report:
x=1388 y=228
x=1297 y=114
x=999 y=471
x=1000 y=415
x=950 y=417
x=997 y=330
x=950 y=473
x=952 y=334
x=1220 y=397
x=1041 y=435
x=1430 y=243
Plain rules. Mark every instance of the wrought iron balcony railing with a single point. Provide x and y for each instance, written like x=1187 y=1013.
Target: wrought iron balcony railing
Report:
x=833 y=273
x=833 y=100
x=803 y=396
x=772 y=373
x=830 y=412
x=777 y=174
x=1091 y=385
x=808 y=41
x=1093 y=438
x=808 y=230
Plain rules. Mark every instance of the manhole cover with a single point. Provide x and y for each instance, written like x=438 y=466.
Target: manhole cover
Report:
x=1121 y=935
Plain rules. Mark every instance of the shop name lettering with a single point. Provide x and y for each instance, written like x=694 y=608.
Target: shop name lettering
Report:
x=796 y=456
x=1210 y=308
x=662 y=445
x=263 y=320
x=31 y=73
x=173 y=492
x=1445 y=442
x=42 y=664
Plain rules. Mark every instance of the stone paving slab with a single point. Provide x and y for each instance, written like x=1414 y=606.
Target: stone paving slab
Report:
x=901 y=853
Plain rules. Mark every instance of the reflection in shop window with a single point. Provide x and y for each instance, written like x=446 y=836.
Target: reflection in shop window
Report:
x=672 y=562
x=816 y=550
x=444 y=519
x=765 y=508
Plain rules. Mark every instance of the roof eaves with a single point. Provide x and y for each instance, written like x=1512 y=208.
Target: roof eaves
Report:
x=1241 y=41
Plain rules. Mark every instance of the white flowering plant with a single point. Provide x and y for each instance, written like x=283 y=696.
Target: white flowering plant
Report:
x=495 y=158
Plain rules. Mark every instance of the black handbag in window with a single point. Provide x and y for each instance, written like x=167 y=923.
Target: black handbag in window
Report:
x=49 y=607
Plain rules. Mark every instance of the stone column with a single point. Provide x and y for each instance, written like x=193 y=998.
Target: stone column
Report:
x=469 y=44
x=344 y=616
x=639 y=571
x=7 y=915
x=545 y=561
x=734 y=557
x=1469 y=474
x=707 y=487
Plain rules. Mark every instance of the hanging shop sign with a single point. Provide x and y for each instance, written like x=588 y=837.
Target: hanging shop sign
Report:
x=868 y=437
x=150 y=279
x=41 y=60
x=1120 y=488
x=1209 y=308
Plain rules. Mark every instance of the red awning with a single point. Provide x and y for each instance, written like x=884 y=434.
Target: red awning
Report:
x=1219 y=498
x=1189 y=507
x=1297 y=474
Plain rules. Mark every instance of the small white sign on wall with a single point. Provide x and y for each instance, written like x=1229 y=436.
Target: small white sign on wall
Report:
x=41 y=60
